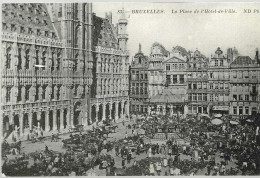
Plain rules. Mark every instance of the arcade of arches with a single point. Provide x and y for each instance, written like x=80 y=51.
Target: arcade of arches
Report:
x=47 y=120
x=109 y=111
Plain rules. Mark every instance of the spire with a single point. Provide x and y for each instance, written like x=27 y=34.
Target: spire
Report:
x=140 y=51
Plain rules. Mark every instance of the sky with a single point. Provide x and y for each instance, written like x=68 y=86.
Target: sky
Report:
x=202 y=31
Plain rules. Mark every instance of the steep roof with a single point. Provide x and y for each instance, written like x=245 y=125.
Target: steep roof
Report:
x=103 y=34
x=242 y=60
x=181 y=50
x=169 y=96
x=24 y=16
x=174 y=59
x=163 y=50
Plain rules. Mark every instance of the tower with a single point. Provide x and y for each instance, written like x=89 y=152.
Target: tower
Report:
x=122 y=35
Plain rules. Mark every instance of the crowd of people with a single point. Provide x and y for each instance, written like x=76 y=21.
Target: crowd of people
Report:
x=224 y=149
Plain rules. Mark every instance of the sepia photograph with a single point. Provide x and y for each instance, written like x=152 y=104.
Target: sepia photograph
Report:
x=130 y=89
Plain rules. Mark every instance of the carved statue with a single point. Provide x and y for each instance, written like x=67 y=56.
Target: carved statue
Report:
x=23 y=94
x=40 y=93
x=55 y=92
x=80 y=91
x=32 y=93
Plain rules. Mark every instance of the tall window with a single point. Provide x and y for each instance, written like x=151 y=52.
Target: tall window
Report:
x=189 y=85
x=205 y=98
x=240 y=110
x=189 y=97
x=211 y=85
x=221 y=62
x=174 y=79
x=246 y=110
x=234 y=110
x=194 y=86
x=168 y=67
x=168 y=79
x=240 y=97
x=200 y=97
x=8 y=94
x=211 y=97
x=181 y=78
x=216 y=62
x=194 y=97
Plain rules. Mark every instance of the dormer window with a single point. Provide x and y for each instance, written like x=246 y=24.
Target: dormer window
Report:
x=53 y=35
x=29 y=19
x=20 y=16
x=37 y=21
x=29 y=9
x=38 y=32
x=21 y=7
x=45 y=22
x=4 y=26
x=21 y=29
x=30 y=31
x=13 y=27
x=13 y=15
x=46 y=33
x=44 y=13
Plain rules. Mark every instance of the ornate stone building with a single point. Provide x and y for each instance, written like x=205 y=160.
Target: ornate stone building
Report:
x=51 y=53
x=219 y=85
x=139 y=82
x=33 y=94
x=73 y=24
x=110 y=88
x=244 y=81
x=197 y=79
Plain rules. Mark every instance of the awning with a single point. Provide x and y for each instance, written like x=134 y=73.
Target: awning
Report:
x=218 y=115
x=234 y=122
x=216 y=121
x=168 y=96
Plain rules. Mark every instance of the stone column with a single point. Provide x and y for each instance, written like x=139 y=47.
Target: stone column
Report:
x=127 y=109
x=68 y=117
x=122 y=110
x=97 y=109
x=71 y=118
x=61 y=119
x=30 y=114
x=116 y=111
x=149 y=109
x=21 y=124
x=47 y=122
x=178 y=78
x=54 y=119
x=104 y=112
x=38 y=119
x=110 y=112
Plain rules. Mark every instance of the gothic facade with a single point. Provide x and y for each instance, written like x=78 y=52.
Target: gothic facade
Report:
x=60 y=61
x=110 y=88
x=139 y=82
x=181 y=82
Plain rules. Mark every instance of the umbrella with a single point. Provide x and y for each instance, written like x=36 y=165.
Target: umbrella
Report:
x=206 y=115
x=249 y=120
x=234 y=122
x=218 y=115
x=216 y=121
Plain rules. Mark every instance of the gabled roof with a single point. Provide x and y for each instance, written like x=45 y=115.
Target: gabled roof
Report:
x=27 y=15
x=174 y=59
x=242 y=60
x=103 y=34
x=181 y=50
x=163 y=50
x=168 y=96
